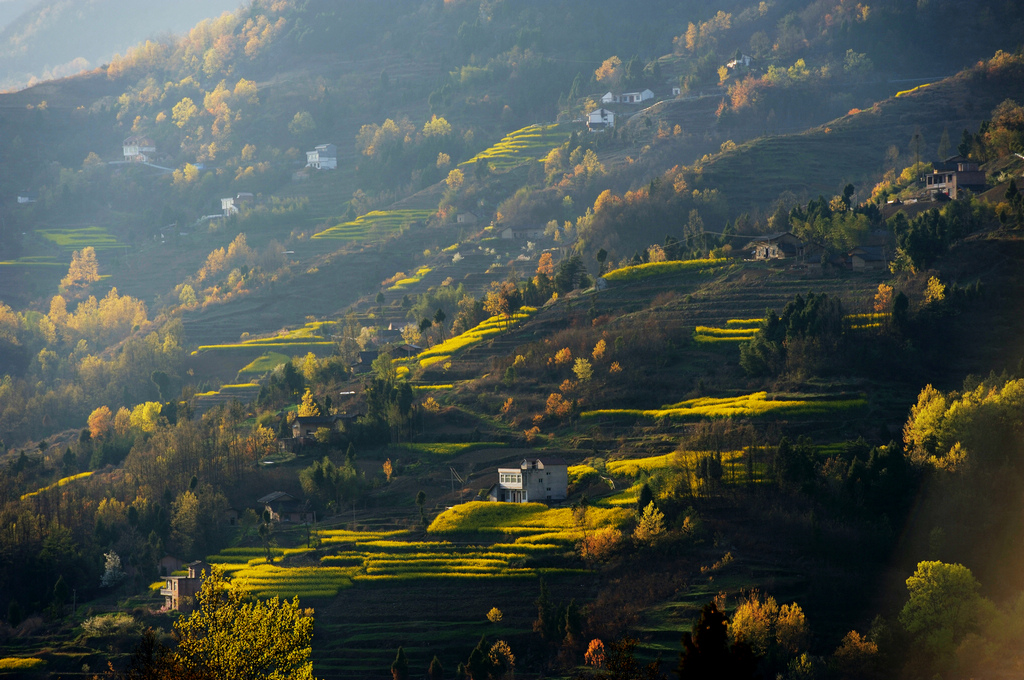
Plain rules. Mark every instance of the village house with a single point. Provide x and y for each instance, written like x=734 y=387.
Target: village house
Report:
x=535 y=480
x=954 y=175
x=180 y=591
x=523 y=233
x=323 y=157
x=26 y=197
x=466 y=217
x=742 y=60
x=780 y=246
x=627 y=97
x=138 y=149
x=284 y=508
x=168 y=564
x=868 y=258
x=602 y=119
x=305 y=427
x=676 y=91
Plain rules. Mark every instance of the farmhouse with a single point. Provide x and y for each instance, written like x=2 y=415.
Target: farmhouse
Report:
x=323 y=157
x=627 y=97
x=522 y=233
x=676 y=91
x=955 y=174
x=868 y=258
x=466 y=217
x=778 y=246
x=742 y=60
x=180 y=591
x=601 y=119
x=138 y=149
x=284 y=508
x=535 y=480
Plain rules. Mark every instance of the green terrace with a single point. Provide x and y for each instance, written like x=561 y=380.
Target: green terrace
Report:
x=486 y=329
x=374 y=225
x=757 y=404
x=83 y=237
x=311 y=337
x=531 y=143
x=639 y=272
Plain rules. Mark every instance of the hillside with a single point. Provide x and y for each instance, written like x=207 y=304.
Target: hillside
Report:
x=42 y=40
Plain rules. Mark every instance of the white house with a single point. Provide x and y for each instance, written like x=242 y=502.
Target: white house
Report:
x=600 y=119
x=535 y=480
x=627 y=97
x=523 y=233
x=228 y=206
x=323 y=157
x=742 y=60
x=676 y=91
x=138 y=149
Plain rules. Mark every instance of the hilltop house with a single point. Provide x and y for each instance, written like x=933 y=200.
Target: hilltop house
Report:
x=180 y=591
x=138 y=149
x=323 y=157
x=230 y=206
x=954 y=174
x=600 y=120
x=780 y=246
x=284 y=508
x=535 y=480
x=627 y=97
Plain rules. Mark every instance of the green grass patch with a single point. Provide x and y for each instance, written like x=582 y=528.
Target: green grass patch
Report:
x=750 y=406
x=638 y=272
x=34 y=261
x=517 y=519
x=431 y=388
x=76 y=239
x=531 y=143
x=374 y=225
x=264 y=364
x=306 y=338
x=58 y=483
x=447 y=449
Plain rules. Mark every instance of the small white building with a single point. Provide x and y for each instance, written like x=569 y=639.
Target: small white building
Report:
x=627 y=97
x=743 y=60
x=138 y=149
x=600 y=120
x=323 y=157
x=466 y=217
x=536 y=480
x=523 y=233
x=676 y=91
x=227 y=205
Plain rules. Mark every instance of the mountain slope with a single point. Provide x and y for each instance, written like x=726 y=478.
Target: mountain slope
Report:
x=56 y=38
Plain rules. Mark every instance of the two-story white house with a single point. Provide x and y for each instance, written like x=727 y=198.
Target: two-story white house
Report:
x=323 y=157
x=627 y=97
x=601 y=119
x=535 y=480
x=138 y=149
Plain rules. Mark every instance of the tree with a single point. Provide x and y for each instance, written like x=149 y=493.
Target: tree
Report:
x=232 y=637
x=651 y=525
x=439 y=319
x=943 y=605
x=707 y=653
x=83 y=271
x=100 y=422
x=436 y=670
x=302 y=124
x=421 y=501
x=112 y=572
x=583 y=370
x=400 y=666
x=308 y=408
x=494 y=615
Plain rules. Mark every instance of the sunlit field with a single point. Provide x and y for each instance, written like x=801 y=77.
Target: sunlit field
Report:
x=374 y=225
x=749 y=405
x=528 y=144
x=486 y=329
x=638 y=272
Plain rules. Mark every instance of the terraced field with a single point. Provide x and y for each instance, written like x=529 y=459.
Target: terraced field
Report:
x=82 y=237
x=374 y=226
x=753 y=405
x=244 y=394
x=531 y=143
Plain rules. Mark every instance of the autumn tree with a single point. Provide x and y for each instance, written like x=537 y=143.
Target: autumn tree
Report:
x=83 y=272
x=232 y=637
x=943 y=605
x=400 y=666
x=308 y=408
x=651 y=526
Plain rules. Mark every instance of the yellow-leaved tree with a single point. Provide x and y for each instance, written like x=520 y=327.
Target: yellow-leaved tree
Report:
x=83 y=272
x=308 y=408
x=232 y=637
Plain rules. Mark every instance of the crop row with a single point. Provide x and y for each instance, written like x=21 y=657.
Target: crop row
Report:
x=639 y=272
x=485 y=329
x=750 y=405
x=410 y=281
x=60 y=482
x=73 y=239
x=377 y=223
x=528 y=144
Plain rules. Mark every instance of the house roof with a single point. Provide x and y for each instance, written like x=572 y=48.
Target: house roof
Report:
x=547 y=461
x=274 y=497
x=869 y=253
x=316 y=420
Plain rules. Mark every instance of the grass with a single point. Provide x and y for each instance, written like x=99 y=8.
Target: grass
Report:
x=486 y=329
x=531 y=143
x=447 y=449
x=265 y=363
x=410 y=281
x=638 y=272
x=749 y=405
x=376 y=224
x=528 y=522
x=76 y=239
x=733 y=464
x=430 y=388
x=34 y=261
x=306 y=338
x=58 y=483
x=11 y=664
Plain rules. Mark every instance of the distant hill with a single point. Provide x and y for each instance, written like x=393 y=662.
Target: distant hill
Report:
x=56 y=38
